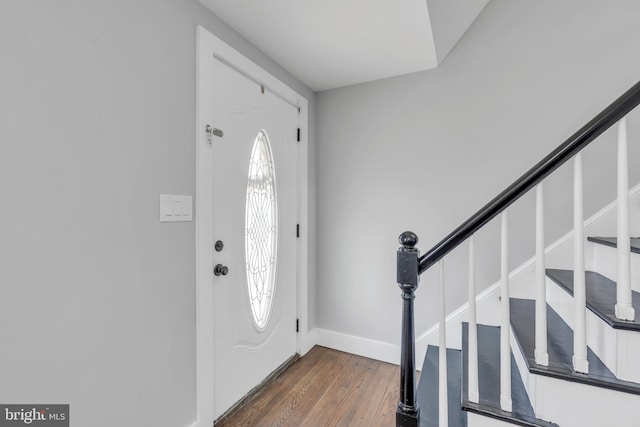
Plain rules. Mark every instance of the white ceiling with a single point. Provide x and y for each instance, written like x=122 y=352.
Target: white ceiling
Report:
x=333 y=43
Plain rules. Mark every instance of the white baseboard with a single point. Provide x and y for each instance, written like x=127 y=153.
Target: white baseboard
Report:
x=306 y=341
x=365 y=347
x=311 y=339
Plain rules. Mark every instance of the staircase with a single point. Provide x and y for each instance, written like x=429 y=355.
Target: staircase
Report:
x=565 y=352
x=611 y=403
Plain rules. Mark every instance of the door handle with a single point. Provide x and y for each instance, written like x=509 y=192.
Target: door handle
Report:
x=220 y=270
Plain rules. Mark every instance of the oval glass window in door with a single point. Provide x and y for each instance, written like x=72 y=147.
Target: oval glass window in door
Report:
x=261 y=227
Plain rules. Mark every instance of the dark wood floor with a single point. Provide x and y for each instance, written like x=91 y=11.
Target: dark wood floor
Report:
x=325 y=388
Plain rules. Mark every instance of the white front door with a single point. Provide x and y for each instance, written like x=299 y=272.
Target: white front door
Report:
x=254 y=219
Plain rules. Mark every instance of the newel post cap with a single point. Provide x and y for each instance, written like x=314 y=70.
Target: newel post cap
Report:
x=408 y=239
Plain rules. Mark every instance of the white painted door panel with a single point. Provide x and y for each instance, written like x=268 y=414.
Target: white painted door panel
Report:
x=245 y=354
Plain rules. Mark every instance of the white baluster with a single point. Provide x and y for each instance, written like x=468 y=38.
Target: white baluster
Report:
x=580 y=363
x=624 y=308
x=505 y=324
x=542 y=356
x=472 y=353
x=443 y=414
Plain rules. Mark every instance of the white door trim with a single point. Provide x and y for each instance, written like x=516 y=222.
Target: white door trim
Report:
x=210 y=47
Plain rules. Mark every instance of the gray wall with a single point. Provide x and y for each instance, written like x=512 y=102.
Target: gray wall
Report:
x=423 y=152
x=97 y=116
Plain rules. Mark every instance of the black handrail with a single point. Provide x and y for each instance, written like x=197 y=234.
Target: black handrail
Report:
x=603 y=121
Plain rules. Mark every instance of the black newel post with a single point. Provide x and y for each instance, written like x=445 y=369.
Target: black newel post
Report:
x=408 y=413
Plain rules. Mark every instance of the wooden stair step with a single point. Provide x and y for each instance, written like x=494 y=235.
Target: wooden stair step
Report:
x=428 y=389
x=560 y=349
x=601 y=297
x=489 y=381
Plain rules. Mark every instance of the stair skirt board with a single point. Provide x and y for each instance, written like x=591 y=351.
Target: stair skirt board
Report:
x=489 y=382
x=428 y=389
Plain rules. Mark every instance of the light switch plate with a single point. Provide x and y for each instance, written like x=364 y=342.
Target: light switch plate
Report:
x=175 y=208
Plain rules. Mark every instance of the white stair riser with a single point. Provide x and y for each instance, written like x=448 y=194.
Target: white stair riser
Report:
x=604 y=261
x=571 y=404
x=628 y=351
x=477 y=420
x=611 y=345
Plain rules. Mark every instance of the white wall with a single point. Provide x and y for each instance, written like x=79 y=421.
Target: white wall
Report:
x=97 y=117
x=425 y=151
x=449 y=21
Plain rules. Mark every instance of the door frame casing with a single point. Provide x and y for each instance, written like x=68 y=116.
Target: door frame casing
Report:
x=210 y=47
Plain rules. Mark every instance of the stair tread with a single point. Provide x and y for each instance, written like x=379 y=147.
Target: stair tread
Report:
x=489 y=381
x=560 y=349
x=601 y=297
x=613 y=242
x=427 y=394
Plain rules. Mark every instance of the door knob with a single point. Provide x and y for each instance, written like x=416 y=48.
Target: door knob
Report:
x=220 y=270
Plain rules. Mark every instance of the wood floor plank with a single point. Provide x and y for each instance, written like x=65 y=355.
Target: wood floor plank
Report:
x=327 y=409
x=366 y=400
x=300 y=399
x=324 y=388
x=380 y=405
x=284 y=392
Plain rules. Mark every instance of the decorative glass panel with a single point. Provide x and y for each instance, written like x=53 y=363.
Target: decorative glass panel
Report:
x=261 y=243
